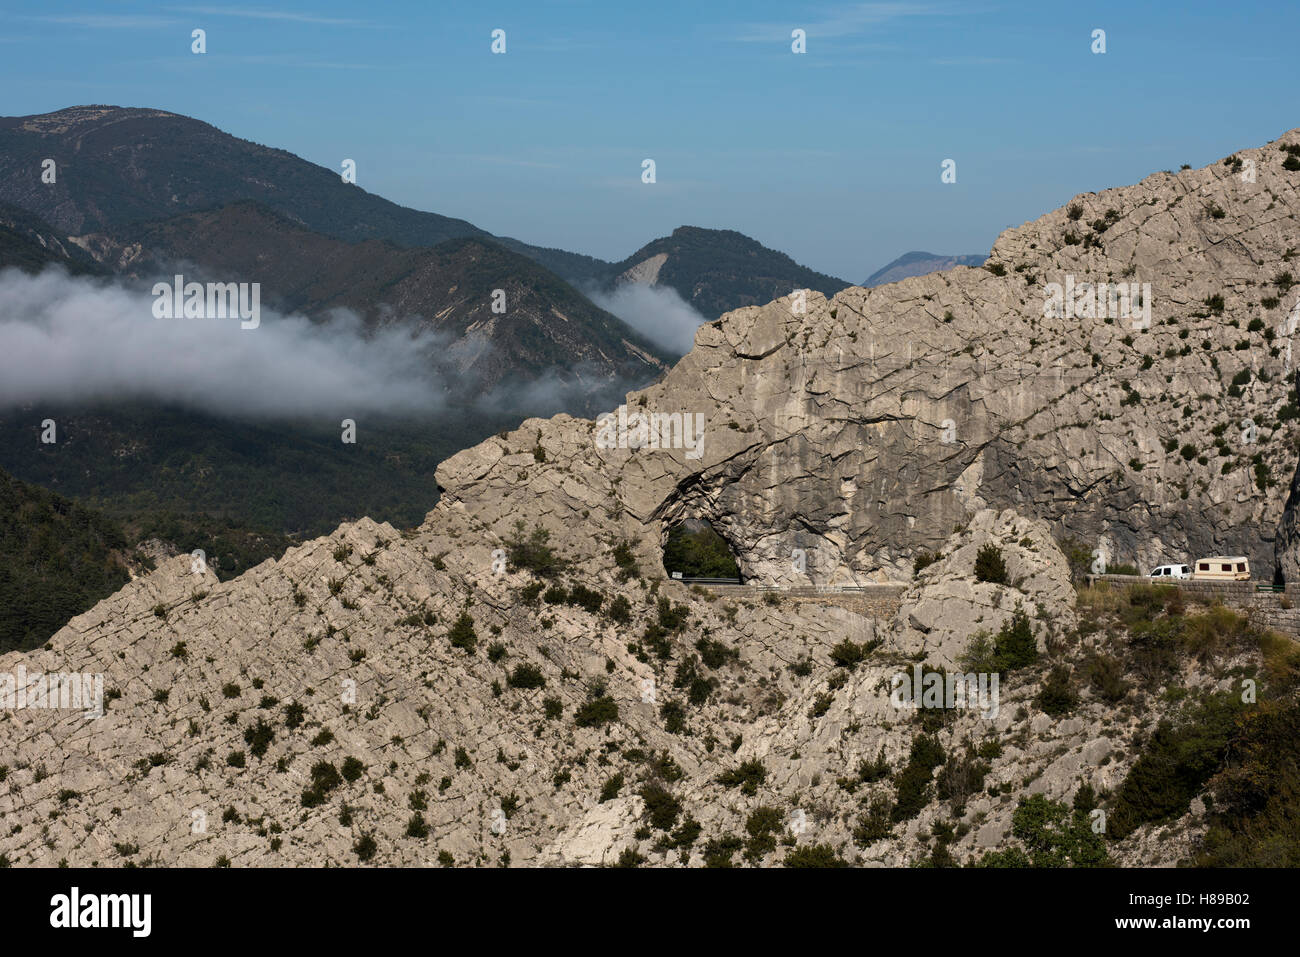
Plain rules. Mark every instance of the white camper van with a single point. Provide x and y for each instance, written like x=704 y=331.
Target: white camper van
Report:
x=1171 y=571
x=1222 y=568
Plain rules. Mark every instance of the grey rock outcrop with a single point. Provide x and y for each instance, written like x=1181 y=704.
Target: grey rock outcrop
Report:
x=407 y=698
x=863 y=428
x=946 y=604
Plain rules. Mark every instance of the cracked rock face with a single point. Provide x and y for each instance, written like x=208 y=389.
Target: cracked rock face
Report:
x=946 y=604
x=862 y=429
x=403 y=698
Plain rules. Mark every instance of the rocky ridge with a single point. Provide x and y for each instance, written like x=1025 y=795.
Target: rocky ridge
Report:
x=861 y=429
x=329 y=698
x=413 y=697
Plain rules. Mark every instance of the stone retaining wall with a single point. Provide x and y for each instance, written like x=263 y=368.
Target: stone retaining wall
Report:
x=1265 y=608
x=870 y=601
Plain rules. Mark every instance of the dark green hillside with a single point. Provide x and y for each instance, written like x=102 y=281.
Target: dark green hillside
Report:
x=29 y=244
x=547 y=328
x=123 y=165
x=717 y=270
x=243 y=492
x=119 y=166
x=57 y=559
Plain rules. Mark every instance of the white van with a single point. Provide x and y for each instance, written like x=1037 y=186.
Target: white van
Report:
x=1171 y=571
x=1223 y=568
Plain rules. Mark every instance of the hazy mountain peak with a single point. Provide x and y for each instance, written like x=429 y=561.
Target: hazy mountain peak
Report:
x=919 y=263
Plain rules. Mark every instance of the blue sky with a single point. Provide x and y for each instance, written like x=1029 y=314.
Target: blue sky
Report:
x=832 y=156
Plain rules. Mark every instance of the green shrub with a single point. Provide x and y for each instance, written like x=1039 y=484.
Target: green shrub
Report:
x=674 y=716
x=625 y=558
x=1057 y=696
x=619 y=610
x=1050 y=835
x=923 y=561
x=1105 y=676
x=259 y=737
x=714 y=653
x=961 y=777
x=1015 y=647
x=874 y=825
x=596 y=712
x=1175 y=765
x=913 y=782
x=848 y=654
x=533 y=553
x=718 y=853
x=612 y=786
x=585 y=598
x=1253 y=822
x=462 y=634
x=763 y=825
x=747 y=776
x=661 y=808
x=324 y=779
x=365 y=848
x=526 y=676
x=814 y=855
x=989 y=565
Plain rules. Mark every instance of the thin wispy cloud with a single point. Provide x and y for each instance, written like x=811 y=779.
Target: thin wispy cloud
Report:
x=569 y=44
x=106 y=21
x=498 y=160
x=290 y=60
x=249 y=13
x=657 y=312
x=841 y=22
x=971 y=61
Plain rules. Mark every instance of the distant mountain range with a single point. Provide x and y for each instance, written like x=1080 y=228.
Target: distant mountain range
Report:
x=146 y=192
x=717 y=270
x=119 y=168
x=142 y=193
x=546 y=327
x=919 y=264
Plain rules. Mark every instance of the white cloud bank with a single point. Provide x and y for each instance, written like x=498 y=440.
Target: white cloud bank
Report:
x=657 y=312
x=69 y=339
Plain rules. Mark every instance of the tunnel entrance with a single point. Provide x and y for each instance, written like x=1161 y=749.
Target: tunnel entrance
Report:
x=694 y=549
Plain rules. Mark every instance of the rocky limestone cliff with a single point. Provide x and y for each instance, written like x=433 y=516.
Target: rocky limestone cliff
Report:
x=863 y=428
x=410 y=697
x=289 y=715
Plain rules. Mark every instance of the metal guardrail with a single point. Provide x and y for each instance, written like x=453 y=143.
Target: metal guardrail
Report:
x=762 y=586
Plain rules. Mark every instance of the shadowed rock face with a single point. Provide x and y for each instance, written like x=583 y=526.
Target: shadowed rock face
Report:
x=864 y=428
x=1287 y=559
